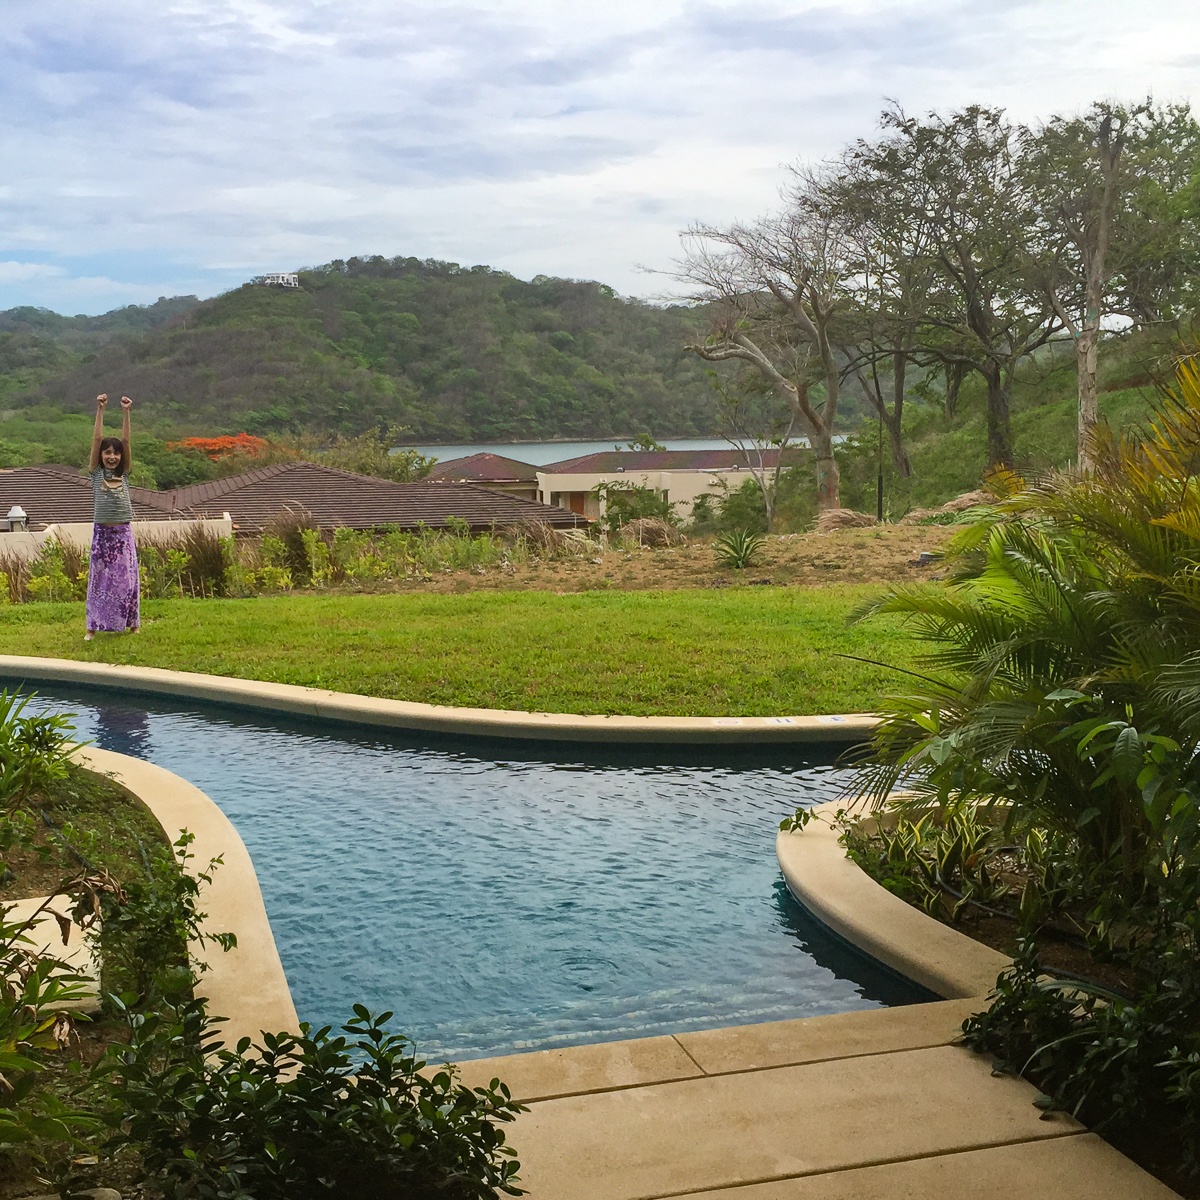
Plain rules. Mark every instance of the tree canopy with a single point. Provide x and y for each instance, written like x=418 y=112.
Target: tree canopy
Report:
x=447 y=352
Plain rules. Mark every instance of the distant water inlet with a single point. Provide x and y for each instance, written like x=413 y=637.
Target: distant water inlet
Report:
x=500 y=899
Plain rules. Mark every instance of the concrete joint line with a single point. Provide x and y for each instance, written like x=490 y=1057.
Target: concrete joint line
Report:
x=692 y=1057
x=875 y=1162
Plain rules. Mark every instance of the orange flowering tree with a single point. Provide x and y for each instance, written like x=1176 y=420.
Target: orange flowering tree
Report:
x=222 y=447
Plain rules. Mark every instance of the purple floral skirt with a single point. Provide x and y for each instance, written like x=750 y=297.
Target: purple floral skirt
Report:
x=112 y=596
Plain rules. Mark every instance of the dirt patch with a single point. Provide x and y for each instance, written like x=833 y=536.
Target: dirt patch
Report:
x=882 y=554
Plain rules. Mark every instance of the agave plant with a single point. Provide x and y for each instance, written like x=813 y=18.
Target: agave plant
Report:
x=1063 y=669
x=738 y=548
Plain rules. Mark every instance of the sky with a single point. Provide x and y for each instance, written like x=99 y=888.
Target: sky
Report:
x=167 y=147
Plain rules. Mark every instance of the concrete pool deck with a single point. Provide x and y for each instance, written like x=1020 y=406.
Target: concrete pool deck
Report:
x=875 y=1105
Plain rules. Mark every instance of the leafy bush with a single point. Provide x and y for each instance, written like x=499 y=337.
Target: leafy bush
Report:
x=58 y=572
x=624 y=501
x=33 y=750
x=942 y=861
x=1063 y=680
x=738 y=548
x=149 y=926
x=36 y=991
x=343 y=1115
x=196 y=563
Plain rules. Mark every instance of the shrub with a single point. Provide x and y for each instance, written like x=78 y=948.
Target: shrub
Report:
x=37 y=989
x=738 y=549
x=1063 y=679
x=59 y=572
x=149 y=927
x=33 y=750
x=343 y=1115
x=623 y=502
x=14 y=577
x=284 y=543
x=209 y=557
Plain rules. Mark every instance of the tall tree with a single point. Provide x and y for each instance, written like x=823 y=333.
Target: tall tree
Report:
x=888 y=289
x=957 y=178
x=773 y=291
x=1110 y=235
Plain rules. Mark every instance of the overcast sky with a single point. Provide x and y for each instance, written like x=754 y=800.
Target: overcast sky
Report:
x=159 y=147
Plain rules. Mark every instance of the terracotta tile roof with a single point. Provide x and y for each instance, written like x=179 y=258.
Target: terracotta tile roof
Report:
x=57 y=495
x=483 y=468
x=340 y=498
x=607 y=461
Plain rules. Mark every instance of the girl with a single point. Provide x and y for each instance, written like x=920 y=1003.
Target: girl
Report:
x=112 y=595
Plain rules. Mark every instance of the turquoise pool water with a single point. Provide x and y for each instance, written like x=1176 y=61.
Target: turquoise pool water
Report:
x=500 y=897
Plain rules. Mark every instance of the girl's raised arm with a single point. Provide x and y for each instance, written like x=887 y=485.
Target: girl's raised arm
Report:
x=98 y=430
x=126 y=405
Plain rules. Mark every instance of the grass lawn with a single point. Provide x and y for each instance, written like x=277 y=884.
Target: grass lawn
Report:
x=750 y=651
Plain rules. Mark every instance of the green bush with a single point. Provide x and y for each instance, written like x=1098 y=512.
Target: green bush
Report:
x=623 y=502
x=1062 y=679
x=318 y=1114
x=149 y=926
x=738 y=549
x=33 y=750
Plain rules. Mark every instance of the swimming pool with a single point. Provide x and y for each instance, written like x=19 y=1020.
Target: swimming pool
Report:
x=501 y=897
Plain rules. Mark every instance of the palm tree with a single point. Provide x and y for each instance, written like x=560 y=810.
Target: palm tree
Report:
x=1063 y=670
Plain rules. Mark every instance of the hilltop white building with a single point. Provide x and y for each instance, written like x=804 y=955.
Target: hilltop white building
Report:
x=286 y=279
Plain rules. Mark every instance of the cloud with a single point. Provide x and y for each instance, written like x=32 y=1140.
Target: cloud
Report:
x=19 y=272
x=147 y=140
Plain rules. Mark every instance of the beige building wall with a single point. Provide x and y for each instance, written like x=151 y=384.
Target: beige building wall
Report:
x=577 y=491
x=79 y=533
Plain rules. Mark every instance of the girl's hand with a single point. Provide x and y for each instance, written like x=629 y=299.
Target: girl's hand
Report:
x=102 y=400
x=126 y=403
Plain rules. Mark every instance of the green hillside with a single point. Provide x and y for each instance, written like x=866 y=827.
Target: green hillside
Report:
x=450 y=353
x=36 y=344
x=465 y=354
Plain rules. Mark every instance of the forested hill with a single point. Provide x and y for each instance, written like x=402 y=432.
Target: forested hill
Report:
x=448 y=352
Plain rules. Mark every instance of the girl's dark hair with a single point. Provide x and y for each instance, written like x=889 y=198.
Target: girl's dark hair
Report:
x=118 y=445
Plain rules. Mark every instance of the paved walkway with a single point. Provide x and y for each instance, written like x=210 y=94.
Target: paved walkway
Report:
x=876 y=1105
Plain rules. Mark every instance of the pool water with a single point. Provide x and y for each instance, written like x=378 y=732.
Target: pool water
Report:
x=501 y=897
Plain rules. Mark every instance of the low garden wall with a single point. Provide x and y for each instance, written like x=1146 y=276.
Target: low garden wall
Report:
x=28 y=544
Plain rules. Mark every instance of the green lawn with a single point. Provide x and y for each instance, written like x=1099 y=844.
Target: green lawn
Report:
x=741 y=651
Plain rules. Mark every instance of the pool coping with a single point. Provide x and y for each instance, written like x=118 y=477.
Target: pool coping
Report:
x=245 y=986
x=351 y=708
x=845 y=898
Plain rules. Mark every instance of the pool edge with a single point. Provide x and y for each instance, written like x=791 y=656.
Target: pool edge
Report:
x=245 y=986
x=351 y=708
x=845 y=898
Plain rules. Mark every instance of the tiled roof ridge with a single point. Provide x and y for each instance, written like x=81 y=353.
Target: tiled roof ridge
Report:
x=140 y=495
x=215 y=488
x=471 y=464
x=210 y=489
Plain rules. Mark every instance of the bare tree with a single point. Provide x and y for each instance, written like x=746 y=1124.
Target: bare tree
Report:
x=888 y=289
x=773 y=291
